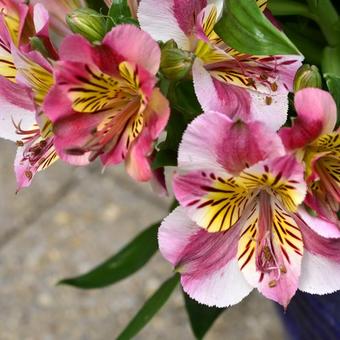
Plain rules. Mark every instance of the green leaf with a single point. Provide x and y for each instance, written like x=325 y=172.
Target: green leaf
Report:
x=288 y=7
x=331 y=72
x=119 y=13
x=201 y=317
x=333 y=84
x=331 y=60
x=309 y=40
x=183 y=98
x=126 y=262
x=164 y=158
x=167 y=154
x=150 y=308
x=244 y=27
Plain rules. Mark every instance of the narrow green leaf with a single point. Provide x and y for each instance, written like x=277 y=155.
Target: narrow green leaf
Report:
x=150 y=308
x=126 y=262
x=244 y=27
x=201 y=317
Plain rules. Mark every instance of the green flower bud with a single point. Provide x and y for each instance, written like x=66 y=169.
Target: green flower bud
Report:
x=87 y=22
x=175 y=63
x=307 y=76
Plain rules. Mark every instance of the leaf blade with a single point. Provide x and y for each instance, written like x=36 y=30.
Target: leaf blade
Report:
x=244 y=27
x=201 y=317
x=150 y=308
x=121 y=265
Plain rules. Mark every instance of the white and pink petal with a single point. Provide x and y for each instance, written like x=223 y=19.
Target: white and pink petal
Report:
x=209 y=271
x=157 y=17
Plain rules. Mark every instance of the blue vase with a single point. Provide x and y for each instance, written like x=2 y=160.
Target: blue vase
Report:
x=313 y=317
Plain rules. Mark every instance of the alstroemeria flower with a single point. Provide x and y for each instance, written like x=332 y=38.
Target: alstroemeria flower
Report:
x=12 y=19
x=223 y=77
x=238 y=226
x=105 y=102
x=58 y=9
x=18 y=24
x=22 y=120
x=313 y=139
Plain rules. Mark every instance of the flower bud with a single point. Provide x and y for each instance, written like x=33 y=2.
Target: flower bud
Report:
x=175 y=63
x=307 y=76
x=87 y=22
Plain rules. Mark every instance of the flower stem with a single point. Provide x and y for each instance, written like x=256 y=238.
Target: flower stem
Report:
x=291 y=8
x=327 y=18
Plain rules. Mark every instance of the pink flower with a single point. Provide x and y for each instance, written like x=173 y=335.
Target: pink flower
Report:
x=58 y=9
x=239 y=226
x=313 y=139
x=25 y=79
x=225 y=80
x=105 y=102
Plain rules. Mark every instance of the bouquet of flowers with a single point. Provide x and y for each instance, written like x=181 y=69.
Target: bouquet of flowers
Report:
x=238 y=98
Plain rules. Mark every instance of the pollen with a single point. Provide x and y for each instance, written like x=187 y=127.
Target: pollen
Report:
x=28 y=174
x=283 y=269
x=269 y=100
x=272 y=283
x=274 y=87
x=19 y=143
x=267 y=254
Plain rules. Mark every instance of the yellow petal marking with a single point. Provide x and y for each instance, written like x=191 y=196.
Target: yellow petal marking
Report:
x=284 y=189
x=222 y=205
x=12 y=21
x=284 y=233
x=7 y=67
x=262 y=4
x=40 y=80
x=101 y=91
x=329 y=143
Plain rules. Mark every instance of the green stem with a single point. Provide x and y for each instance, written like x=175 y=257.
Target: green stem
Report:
x=327 y=18
x=291 y=8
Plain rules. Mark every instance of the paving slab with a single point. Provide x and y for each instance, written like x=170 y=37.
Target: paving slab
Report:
x=61 y=233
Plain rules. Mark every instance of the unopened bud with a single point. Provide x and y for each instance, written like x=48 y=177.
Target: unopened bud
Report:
x=175 y=63
x=307 y=76
x=87 y=22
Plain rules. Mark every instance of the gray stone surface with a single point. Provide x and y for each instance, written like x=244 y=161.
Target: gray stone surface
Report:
x=66 y=223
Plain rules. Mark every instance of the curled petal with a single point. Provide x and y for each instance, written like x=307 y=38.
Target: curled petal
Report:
x=319 y=225
x=58 y=11
x=137 y=160
x=135 y=45
x=316 y=111
x=315 y=243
